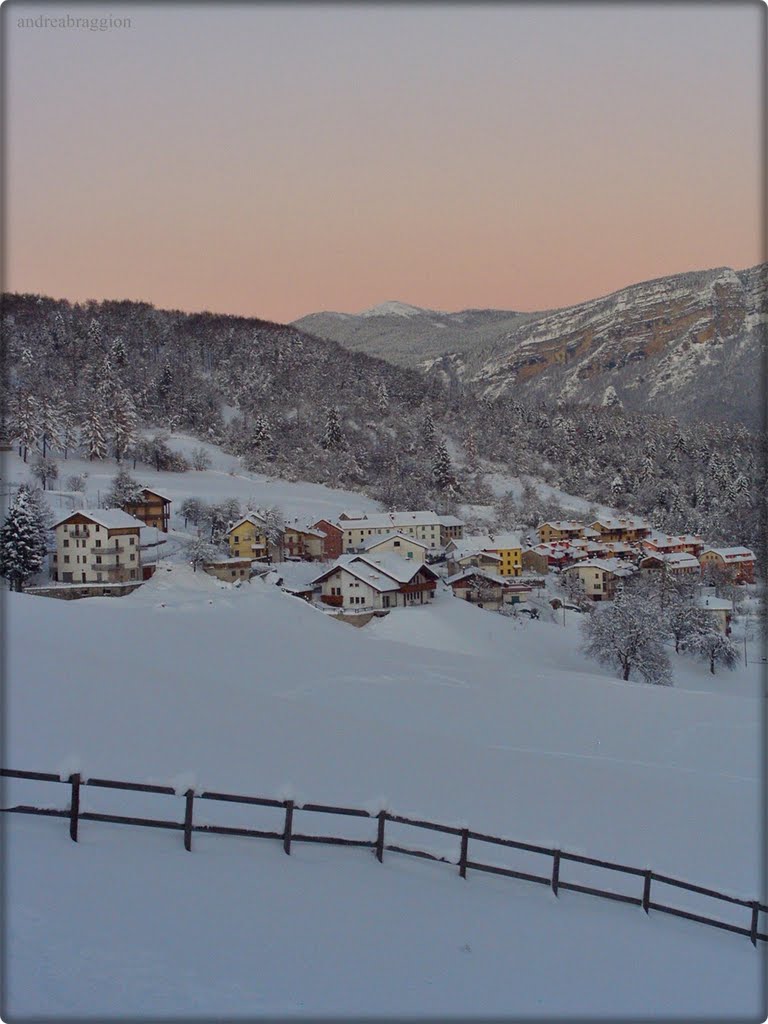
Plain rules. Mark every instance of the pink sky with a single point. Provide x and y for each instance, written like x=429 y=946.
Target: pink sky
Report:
x=273 y=161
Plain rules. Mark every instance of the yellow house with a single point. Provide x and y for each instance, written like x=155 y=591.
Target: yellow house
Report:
x=247 y=538
x=560 y=530
x=506 y=547
x=626 y=528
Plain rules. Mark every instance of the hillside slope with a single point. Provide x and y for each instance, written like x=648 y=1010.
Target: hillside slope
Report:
x=689 y=345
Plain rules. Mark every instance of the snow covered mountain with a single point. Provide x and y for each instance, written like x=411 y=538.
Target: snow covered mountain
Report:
x=689 y=345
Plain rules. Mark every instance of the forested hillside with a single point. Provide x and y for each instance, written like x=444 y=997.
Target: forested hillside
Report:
x=107 y=379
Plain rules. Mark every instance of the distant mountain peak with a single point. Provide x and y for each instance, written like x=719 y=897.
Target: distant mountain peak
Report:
x=394 y=308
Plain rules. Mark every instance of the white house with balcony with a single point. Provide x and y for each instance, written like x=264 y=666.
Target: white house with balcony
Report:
x=97 y=546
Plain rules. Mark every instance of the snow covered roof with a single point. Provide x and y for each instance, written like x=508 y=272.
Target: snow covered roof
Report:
x=669 y=540
x=562 y=524
x=110 y=518
x=384 y=572
x=674 y=559
x=382 y=538
x=622 y=523
x=384 y=520
x=472 y=571
x=252 y=517
x=613 y=565
x=734 y=554
x=450 y=521
x=303 y=527
x=157 y=494
x=469 y=548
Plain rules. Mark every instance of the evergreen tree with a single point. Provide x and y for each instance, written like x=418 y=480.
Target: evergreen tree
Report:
x=22 y=541
x=49 y=423
x=262 y=433
x=118 y=354
x=93 y=431
x=382 y=398
x=428 y=429
x=26 y=421
x=274 y=527
x=124 y=490
x=122 y=421
x=442 y=470
x=333 y=439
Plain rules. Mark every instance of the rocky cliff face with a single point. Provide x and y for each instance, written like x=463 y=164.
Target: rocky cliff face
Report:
x=692 y=345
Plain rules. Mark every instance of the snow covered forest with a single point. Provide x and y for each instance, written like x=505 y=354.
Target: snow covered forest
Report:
x=87 y=377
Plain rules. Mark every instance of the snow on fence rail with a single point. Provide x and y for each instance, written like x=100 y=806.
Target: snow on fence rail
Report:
x=287 y=836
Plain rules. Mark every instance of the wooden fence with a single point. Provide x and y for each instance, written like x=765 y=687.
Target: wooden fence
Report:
x=287 y=836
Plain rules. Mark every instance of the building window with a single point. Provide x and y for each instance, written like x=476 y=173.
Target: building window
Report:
x=66 y=559
x=66 y=543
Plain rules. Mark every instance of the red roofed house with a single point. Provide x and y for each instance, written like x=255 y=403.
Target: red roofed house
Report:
x=737 y=561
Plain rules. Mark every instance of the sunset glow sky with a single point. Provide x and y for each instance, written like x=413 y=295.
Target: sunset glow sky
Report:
x=274 y=161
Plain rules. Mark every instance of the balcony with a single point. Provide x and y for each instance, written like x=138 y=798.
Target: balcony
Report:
x=416 y=588
x=335 y=600
x=107 y=551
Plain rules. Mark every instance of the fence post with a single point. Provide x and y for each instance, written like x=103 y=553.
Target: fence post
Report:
x=463 y=854
x=190 y=796
x=555 y=871
x=753 y=926
x=647 y=891
x=74 y=806
x=288 y=826
x=380 y=836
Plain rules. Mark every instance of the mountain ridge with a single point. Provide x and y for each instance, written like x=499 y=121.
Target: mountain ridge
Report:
x=691 y=343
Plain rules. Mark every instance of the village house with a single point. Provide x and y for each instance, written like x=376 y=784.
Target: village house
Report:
x=560 y=530
x=363 y=583
x=737 y=562
x=97 y=546
x=426 y=526
x=610 y=549
x=397 y=544
x=534 y=560
x=486 y=590
x=678 y=564
x=560 y=553
x=626 y=528
x=508 y=546
x=229 y=569
x=669 y=544
x=333 y=538
x=598 y=578
x=304 y=542
x=461 y=554
x=451 y=528
x=153 y=509
x=718 y=609
x=248 y=539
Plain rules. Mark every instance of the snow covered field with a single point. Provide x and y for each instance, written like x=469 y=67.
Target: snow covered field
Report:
x=448 y=712
x=445 y=712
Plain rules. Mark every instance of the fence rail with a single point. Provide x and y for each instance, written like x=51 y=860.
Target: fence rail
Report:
x=379 y=845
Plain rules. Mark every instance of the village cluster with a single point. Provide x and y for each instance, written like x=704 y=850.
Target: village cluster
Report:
x=374 y=562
